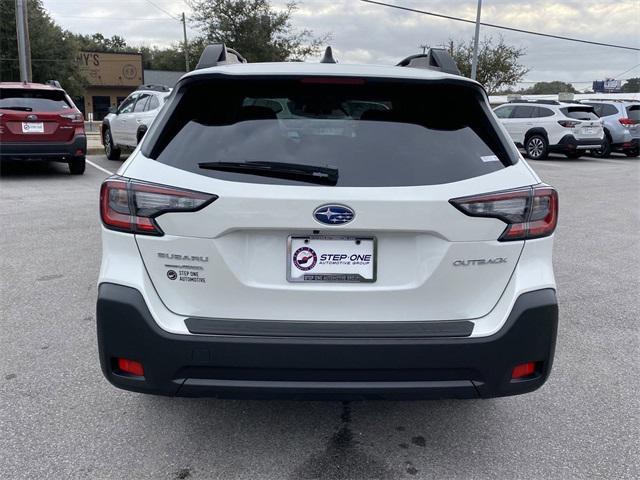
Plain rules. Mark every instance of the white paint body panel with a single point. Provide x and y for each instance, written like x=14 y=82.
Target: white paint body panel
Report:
x=243 y=237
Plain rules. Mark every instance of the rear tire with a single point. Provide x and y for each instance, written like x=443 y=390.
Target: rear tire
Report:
x=77 y=166
x=573 y=155
x=110 y=150
x=603 y=151
x=632 y=152
x=537 y=147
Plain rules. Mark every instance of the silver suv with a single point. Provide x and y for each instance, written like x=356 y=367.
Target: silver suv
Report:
x=125 y=126
x=621 y=119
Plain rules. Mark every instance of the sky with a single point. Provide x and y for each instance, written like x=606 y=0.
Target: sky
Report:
x=365 y=33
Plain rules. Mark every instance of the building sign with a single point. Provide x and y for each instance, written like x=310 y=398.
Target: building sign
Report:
x=609 y=85
x=111 y=69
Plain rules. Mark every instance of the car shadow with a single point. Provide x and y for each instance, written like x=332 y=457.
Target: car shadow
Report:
x=33 y=169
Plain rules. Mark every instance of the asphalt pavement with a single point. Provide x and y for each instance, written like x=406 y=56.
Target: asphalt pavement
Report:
x=60 y=419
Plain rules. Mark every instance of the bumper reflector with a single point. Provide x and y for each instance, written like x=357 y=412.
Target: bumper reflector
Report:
x=523 y=370
x=131 y=367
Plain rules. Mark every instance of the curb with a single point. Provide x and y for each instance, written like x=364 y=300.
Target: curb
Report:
x=95 y=150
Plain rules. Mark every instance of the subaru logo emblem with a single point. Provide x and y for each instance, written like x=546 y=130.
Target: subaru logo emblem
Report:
x=333 y=214
x=32 y=117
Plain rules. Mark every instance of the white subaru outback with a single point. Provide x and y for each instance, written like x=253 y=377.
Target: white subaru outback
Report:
x=326 y=231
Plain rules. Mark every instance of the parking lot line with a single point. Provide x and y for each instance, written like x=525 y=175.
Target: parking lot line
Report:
x=99 y=167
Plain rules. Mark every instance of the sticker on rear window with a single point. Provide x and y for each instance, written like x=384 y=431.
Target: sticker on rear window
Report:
x=489 y=158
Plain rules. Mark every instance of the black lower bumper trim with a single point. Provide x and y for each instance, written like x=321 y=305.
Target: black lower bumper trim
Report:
x=241 y=366
x=571 y=143
x=45 y=150
x=216 y=326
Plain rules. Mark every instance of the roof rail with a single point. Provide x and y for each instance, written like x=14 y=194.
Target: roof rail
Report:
x=53 y=83
x=543 y=102
x=434 y=59
x=609 y=100
x=154 y=87
x=218 y=54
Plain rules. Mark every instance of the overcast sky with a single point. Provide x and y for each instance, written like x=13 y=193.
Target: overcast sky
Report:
x=365 y=33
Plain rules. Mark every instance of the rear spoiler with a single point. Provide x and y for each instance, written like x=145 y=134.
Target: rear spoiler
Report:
x=434 y=59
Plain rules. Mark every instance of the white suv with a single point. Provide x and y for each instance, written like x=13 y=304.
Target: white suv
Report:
x=326 y=250
x=125 y=126
x=544 y=126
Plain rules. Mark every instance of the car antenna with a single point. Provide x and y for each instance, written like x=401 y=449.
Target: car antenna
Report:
x=328 y=56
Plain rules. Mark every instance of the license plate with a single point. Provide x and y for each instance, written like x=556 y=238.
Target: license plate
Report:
x=32 y=127
x=333 y=259
x=588 y=131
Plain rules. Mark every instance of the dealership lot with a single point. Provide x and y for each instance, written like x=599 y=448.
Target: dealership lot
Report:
x=59 y=418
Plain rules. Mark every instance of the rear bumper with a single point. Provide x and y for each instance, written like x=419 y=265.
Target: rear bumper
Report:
x=45 y=150
x=630 y=144
x=323 y=367
x=570 y=143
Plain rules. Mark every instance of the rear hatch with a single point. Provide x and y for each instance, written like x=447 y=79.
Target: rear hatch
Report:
x=584 y=123
x=333 y=200
x=37 y=115
x=633 y=120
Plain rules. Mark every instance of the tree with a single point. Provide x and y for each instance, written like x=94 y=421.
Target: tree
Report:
x=255 y=29
x=497 y=62
x=99 y=43
x=172 y=58
x=53 y=50
x=549 y=88
x=632 y=85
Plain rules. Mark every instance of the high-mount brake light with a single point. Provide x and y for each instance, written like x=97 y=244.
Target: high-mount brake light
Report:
x=333 y=81
x=131 y=206
x=530 y=212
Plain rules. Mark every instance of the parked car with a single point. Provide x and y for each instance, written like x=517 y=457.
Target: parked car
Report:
x=403 y=251
x=39 y=121
x=545 y=126
x=621 y=119
x=125 y=126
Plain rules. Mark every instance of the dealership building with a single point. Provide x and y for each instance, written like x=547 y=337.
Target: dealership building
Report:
x=111 y=77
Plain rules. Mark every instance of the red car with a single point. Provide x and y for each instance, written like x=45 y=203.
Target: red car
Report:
x=40 y=121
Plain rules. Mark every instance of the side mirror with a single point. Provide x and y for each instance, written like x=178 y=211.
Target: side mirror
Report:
x=113 y=110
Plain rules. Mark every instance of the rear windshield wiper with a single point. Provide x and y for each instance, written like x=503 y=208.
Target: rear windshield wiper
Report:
x=22 y=109
x=289 y=171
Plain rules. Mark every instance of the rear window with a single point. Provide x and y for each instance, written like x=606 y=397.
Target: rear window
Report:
x=30 y=100
x=580 y=113
x=633 y=112
x=373 y=134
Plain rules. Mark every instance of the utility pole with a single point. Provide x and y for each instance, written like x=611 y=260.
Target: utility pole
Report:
x=474 y=61
x=186 y=43
x=24 y=55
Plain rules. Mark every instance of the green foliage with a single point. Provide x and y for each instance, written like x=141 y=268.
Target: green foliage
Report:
x=498 y=65
x=53 y=50
x=99 y=43
x=632 y=85
x=549 y=88
x=172 y=58
x=254 y=28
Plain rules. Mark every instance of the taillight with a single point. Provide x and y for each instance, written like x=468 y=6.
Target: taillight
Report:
x=568 y=123
x=530 y=212
x=131 y=206
x=627 y=121
x=73 y=117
